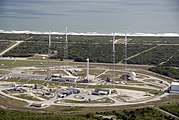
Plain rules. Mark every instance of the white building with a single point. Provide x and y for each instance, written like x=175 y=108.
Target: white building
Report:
x=58 y=77
x=174 y=87
x=90 y=77
x=101 y=92
x=69 y=78
x=37 y=105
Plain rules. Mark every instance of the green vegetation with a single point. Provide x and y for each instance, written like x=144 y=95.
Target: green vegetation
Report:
x=102 y=52
x=138 y=114
x=103 y=100
x=78 y=51
x=98 y=48
x=171 y=108
x=166 y=71
x=27 y=97
x=174 y=60
x=18 y=115
x=27 y=49
x=12 y=36
x=155 y=40
x=22 y=63
x=155 y=56
x=11 y=103
x=4 y=45
x=2 y=72
x=92 y=72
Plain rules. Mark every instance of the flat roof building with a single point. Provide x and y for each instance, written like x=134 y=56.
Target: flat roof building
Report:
x=174 y=88
x=37 y=105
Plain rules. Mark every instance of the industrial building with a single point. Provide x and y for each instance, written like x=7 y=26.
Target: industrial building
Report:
x=174 y=88
x=101 y=92
x=128 y=76
x=68 y=91
x=69 y=78
x=65 y=78
x=37 y=105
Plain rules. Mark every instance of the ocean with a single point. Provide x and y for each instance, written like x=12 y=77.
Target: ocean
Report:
x=99 y=16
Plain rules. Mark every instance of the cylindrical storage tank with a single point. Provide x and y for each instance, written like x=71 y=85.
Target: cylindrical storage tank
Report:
x=133 y=75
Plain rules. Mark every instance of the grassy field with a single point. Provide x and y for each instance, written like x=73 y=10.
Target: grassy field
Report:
x=12 y=103
x=27 y=97
x=83 y=110
x=103 y=100
x=21 y=63
x=171 y=108
x=3 y=72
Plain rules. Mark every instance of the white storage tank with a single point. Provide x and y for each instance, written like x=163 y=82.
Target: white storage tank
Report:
x=132 y=75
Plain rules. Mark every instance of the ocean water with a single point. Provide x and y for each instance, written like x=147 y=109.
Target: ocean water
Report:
x=101 y=16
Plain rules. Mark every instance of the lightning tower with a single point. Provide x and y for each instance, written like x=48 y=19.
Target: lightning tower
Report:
x=49 y=52
x=66 y=50
x=87 y=72
x=125 y=55
x=113 y=55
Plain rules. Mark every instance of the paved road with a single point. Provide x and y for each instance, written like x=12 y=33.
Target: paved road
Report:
x=142 y=52
x=17 y=43
x=169 y=114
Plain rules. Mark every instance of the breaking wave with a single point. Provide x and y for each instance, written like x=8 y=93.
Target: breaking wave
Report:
x=94 y=33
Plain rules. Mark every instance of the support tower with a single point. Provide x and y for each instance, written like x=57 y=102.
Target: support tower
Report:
x=87 y=72
x=113 y=56
x=125 y=62
x=49 y=53
x=66 y=51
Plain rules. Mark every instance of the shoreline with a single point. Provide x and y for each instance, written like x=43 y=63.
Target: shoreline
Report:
x=95 y=33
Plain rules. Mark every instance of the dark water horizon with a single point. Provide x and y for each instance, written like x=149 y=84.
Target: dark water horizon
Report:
x=101 y=16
